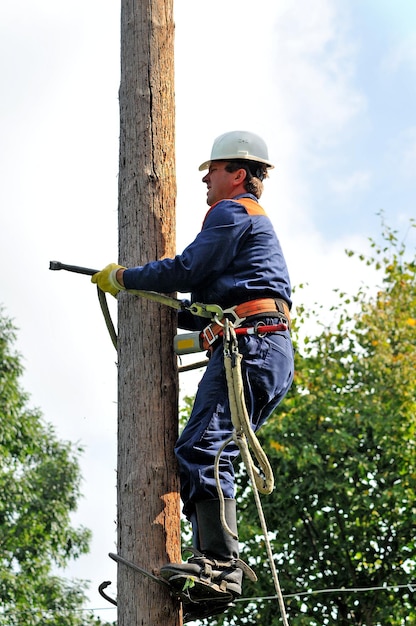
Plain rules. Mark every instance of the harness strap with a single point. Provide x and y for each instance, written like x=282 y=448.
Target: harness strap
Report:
x=241 y=312
x=261 y=306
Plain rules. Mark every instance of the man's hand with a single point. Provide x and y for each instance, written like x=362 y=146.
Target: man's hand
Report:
x=107 y=280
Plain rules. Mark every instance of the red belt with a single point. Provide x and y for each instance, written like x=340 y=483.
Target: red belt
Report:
x=240 y=312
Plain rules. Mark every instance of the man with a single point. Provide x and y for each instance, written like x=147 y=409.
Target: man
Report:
x=236 y=259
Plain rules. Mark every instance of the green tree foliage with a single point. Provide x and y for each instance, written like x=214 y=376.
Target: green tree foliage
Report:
x=39 y=486
x=342 y=517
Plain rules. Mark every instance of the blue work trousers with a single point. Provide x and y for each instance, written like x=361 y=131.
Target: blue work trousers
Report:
x=267 y=370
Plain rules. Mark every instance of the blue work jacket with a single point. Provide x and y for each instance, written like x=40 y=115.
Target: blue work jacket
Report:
x=235 y=258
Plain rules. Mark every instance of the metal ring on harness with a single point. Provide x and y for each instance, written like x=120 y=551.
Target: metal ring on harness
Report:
x=258 y=325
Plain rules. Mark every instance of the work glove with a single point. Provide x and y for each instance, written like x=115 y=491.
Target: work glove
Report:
x=106 y=279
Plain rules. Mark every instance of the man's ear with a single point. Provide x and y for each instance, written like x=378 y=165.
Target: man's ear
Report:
x=240 y=175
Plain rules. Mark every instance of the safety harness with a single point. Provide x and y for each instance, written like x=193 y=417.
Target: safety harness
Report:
x=265 y=307
x=247 y=312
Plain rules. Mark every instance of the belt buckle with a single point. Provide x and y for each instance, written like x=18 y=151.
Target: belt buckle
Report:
x=209 y=335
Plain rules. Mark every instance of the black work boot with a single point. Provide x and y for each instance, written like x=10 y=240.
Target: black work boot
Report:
x=215 y=571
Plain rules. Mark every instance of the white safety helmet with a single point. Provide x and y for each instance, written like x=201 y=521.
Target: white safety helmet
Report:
x=241 y=145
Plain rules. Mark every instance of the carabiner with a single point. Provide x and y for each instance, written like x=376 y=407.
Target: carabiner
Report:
x=206 y=310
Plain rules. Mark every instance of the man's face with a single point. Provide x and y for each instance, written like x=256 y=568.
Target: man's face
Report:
x=221 y=184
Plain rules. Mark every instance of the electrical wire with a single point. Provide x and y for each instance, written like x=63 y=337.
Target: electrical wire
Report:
x=298 y=594
x=411 y=586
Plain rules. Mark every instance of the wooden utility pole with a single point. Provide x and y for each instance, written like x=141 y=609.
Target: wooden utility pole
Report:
x=147 y=482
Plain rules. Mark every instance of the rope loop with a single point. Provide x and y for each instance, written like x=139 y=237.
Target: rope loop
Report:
x=243 y=435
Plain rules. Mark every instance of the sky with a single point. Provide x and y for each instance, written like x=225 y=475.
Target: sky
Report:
x=330 y=85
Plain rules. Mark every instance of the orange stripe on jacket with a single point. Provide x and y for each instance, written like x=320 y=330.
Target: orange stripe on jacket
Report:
x=251 y=206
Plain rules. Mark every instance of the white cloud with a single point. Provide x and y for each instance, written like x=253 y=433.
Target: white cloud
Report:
x=400 y=54
x=360 y=179
x=313 y=71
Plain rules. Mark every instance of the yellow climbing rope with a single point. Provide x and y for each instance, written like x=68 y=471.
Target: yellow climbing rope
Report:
x=243 y=436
